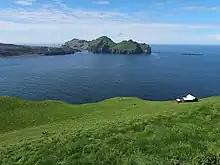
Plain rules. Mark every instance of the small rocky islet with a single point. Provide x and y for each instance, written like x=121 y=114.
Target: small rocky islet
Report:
x=100 y=45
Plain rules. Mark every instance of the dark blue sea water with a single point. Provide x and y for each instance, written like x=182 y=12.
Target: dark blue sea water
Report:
x=87 y=77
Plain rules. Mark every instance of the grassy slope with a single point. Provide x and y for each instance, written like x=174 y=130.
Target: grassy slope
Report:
x=101 y=40
x=115 y=131
x=126 y=46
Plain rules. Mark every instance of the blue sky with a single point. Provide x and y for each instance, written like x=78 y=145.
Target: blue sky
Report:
x=151 y=21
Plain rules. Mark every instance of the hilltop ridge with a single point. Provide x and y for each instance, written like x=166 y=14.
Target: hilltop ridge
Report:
x=115 y=131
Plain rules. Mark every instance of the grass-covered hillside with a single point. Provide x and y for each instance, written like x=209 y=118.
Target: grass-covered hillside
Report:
x=101 y=45
x=106 y=45
x=118 y=131
x=130 y=47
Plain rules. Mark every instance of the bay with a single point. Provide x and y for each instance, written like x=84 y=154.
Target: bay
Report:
x=86 y=77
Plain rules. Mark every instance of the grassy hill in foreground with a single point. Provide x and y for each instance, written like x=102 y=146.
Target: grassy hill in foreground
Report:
x=123 y=131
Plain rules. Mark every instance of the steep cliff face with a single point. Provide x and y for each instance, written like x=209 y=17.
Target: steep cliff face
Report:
x=146 y=48
x=81 y=45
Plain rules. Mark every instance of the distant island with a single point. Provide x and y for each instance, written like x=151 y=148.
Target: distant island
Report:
x=106 y=45
x=100 y=45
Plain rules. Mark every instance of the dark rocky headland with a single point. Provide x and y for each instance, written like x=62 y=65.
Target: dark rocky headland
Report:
x=100 y=45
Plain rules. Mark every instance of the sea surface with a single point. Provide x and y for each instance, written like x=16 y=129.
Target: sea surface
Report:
x=87 y=77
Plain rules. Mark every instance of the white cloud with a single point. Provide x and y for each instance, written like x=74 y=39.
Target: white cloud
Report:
x=215 y=36
x=57 y=16
x=24 y=2
x=101 y=2
x=57 y=23
x=202 y=8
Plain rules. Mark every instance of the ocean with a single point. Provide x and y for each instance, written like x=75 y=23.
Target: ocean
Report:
x=85 y=77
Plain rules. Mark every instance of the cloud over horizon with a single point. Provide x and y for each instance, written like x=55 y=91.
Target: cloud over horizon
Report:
x=202 y=8
x=57 y=22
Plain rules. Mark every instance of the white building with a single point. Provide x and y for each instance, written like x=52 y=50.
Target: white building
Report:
x=188 y=98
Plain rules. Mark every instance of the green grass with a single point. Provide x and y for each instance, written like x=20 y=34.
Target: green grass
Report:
x=101 y=41
x=127 y=46
x=123 y=131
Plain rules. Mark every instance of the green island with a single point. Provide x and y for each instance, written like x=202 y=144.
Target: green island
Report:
x=105 y=44
x=117 y=131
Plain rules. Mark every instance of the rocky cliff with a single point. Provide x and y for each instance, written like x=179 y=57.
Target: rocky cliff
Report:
x=81 y=45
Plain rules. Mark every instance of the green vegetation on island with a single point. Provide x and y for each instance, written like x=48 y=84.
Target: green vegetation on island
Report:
x=100 y=45
x=106 y=45
x=118 y=131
